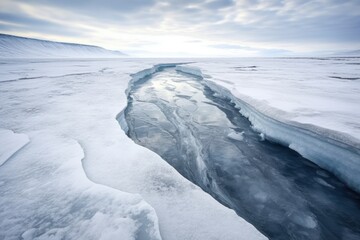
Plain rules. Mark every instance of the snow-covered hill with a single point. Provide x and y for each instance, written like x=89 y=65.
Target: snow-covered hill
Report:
x=21 y=47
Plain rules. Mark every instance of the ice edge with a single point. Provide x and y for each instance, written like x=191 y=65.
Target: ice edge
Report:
x=22 y=141
x=331 y=150
x=148 y=225
x=120 y=117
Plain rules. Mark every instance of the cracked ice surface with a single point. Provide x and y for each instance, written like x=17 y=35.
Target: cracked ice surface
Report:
x=323 y=92
x=68 y=109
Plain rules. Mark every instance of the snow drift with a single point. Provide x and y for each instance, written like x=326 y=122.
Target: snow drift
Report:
x=21 y=47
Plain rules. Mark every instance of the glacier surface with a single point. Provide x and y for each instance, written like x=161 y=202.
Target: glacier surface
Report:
x=80 y=176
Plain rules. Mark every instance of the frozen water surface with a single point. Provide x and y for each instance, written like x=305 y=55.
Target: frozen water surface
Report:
x=207 y=140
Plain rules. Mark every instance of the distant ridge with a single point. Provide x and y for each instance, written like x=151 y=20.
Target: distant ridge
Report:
x=23 y=47
x=354 y=53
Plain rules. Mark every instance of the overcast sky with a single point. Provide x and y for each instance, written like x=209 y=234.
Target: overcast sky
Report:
x=190 y=28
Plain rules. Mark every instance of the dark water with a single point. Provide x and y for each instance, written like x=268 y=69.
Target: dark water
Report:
x=206 y=139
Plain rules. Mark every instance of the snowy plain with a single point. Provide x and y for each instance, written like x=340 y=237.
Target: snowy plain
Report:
x=71 y=171
x=80 y=176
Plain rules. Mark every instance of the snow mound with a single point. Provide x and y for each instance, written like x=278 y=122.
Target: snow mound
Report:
x=21 y=47
x=10 y=143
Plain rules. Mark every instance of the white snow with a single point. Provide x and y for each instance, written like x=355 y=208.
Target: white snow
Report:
x=80 y=176
x=20 y=47
x=10 y=143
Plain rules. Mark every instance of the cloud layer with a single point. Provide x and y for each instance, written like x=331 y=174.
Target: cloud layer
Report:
x=190 y=27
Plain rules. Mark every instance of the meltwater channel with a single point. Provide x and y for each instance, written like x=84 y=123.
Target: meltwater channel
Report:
x=207 y=140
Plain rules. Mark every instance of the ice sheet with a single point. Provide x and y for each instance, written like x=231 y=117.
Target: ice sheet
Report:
x=70 y=119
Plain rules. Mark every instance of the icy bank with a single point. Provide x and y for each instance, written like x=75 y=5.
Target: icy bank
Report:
x=324 y=92
x=336 y=152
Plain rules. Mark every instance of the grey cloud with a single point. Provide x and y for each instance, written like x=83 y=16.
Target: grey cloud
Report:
x=5 y=27
x=93 y=6
x=27 y=23
x=22 y=19
x=291 y=21
x=275 y=52
x=262 y=51
x=112 y=11
x=230 y=46
x=321 y=23
x=218 y=4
